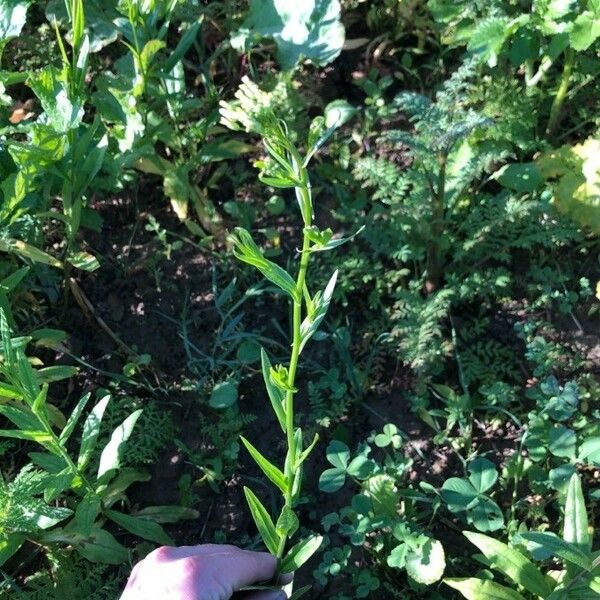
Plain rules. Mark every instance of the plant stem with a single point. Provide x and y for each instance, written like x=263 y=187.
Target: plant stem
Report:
x=437 y=227
x=290 y=468
x=563 y=88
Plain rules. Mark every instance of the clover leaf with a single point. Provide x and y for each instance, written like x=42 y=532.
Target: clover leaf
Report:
x=338 y=455
x=468 y=496
x=389 y=436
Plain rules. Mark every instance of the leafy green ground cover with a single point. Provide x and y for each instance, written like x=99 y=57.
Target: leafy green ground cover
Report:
x=423 y=423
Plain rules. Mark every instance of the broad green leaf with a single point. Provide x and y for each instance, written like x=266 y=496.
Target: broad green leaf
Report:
x=360 y=467
x=589 y=450
x=457 y=493
x=482 y=589
x=9 y=545
x=338 y=454
x=99 y=25
x=49 y=462
x=427 y=565
x=563 y=442
x=91 y=430
x=224 y=395
x=148 y=530
x=263 y=521
x=177 y=188
x=167 y=513
x=483 y=474
x=246 y=250
x=110 y=457
x=552 y=544
x=269 y=469
x=331 y=480
x=276 y=395
x=577 y=173
x=586 y=30
x=300 y=553
x=102 y=547
x=223 y=149
x=485 y=514
x=308 y=30
x=520 y=177
x=488 y=38
x=48 y=338
x=63 y=114
x=13 y=14
x=511 y=563
x=20 y=416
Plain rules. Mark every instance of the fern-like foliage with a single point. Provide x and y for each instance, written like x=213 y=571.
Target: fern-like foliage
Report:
x=22 y=508
x=436 y=220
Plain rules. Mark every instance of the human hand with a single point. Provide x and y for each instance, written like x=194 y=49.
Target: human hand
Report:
x=206 y=572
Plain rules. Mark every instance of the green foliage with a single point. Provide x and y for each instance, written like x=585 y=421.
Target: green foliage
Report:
x=468 y=495
x=573 y=551
x=87 y=488
x=305 y=31
x=285 y=168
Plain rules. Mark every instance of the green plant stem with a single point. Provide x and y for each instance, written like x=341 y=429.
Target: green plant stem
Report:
x=437 y=227
x=290 y=467
x=561 y=94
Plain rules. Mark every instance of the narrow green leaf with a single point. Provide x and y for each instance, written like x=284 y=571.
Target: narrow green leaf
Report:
x=8 y=284
x=110 y=457
x=300 y=592
x=56 y=373
x=482 y=589
x=576 y=519
x=300 y=553
x=321 y=302
x=184 y=44
x=167 y=513
x=511 y=563
x=276 y=395
x=269 y=469
x=41 y=437
x=246 y=250
x=91 y=430
x=21 y=417
x=73 y=419
x=144 y=528
x=86 y=512
x=306 y=452
x=58 y=483
x=263 y=521
x=558 y=547
x=287 y=523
